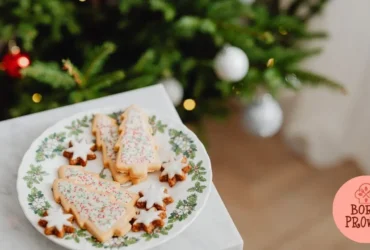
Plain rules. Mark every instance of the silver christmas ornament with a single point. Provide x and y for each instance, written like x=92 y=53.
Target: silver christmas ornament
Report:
x=263 y=117
x=174 y=90
x=231 y=64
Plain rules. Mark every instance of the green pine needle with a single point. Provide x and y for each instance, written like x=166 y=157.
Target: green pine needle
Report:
x=106 y=80
x=50 y=74
x=97 y=58
x=317 y=80
x=73 y=71
x=166 y=8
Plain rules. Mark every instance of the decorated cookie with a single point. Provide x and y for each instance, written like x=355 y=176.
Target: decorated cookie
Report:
x=105 y=129
x=174 y=171
x=148 y=220
x=135 y=181
x=80 y=176
x=99 y=213
x=79 y=152
x=154 y=196
x=56 y=222
x=137 y=152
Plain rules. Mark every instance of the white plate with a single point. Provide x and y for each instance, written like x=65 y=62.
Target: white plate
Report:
x=39 y=169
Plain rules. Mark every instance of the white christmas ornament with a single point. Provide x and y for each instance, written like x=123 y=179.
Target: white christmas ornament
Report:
x=174 y=90
x=231 y=64
x=263 y=117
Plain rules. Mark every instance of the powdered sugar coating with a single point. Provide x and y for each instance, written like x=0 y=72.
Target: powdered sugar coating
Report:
x=80 y=149
x=153 y=195
x=173 y=168
x=147 y=217
x=57 y=218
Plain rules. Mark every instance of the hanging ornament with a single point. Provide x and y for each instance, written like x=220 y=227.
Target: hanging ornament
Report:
x=231 y=64
x=15 y=60
x=174 y=90
x=263 y=117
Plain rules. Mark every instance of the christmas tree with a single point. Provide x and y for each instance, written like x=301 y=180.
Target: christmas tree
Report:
x=69 y=51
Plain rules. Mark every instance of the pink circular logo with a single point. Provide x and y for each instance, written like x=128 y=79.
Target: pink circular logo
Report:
x=351 y=209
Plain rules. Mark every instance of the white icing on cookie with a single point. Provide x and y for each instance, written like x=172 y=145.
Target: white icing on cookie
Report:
x=173 y=168
x=147 y=217
x=90 y=205
x=109 y=135
x=153 y=195
x=137 y=143
x=56 y=218
x=80 y=149
x=80 y=176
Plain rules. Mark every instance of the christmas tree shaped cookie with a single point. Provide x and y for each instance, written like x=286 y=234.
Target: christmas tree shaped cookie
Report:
x=80 y=176
x=137 y=153
x=105 y=129
x=99 y=213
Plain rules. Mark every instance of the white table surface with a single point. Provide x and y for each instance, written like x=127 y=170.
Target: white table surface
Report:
x=213 y=229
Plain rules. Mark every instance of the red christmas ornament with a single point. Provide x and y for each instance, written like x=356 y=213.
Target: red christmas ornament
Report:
x=14 y=61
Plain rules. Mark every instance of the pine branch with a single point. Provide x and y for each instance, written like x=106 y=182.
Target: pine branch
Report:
x=188 y=26
x=223 y=10
x=316 y=80
x=28 y=34
x=289 y=56
x=73 y=71
x=313 y=35
x=106 y=80
x=140 y=81
x=97 y=59
x=50 y=74
x=145 y=59
x=167 y=9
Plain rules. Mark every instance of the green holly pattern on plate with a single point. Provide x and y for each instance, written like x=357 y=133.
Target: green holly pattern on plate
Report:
x=34 y=175
x=77 y=126
x=51 y=146
x=157 y=125
x=182 y=144
x=197 y=172
x=115 y=242
x=156 y=233
x=37 y=202
x=79 y=233
x=183 y=209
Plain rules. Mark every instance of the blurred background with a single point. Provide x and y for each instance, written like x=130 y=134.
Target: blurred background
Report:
x=276 y=89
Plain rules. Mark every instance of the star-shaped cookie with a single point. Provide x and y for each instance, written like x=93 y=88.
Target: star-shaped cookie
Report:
x=148 y=220
x=154 y=196
x=79 y=152
x=174 y=171
x=56 y=222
